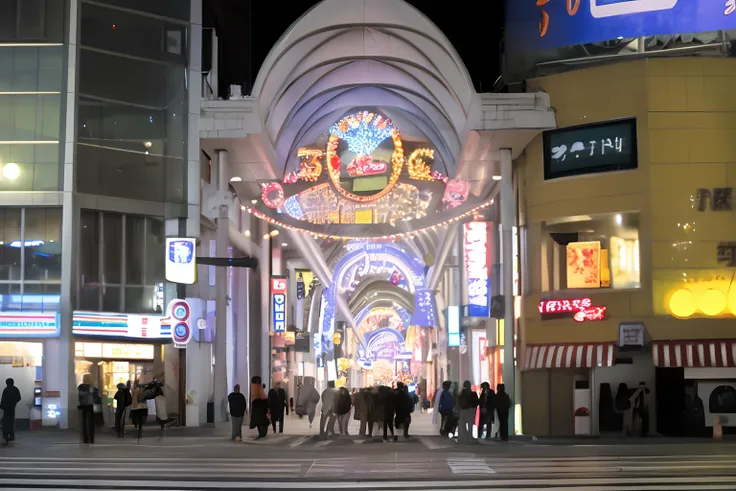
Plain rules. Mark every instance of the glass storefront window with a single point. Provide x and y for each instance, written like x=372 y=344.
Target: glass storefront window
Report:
x=42 y=240
x=128 y=286
x=591 y=252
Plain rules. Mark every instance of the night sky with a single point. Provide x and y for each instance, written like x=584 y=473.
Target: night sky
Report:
x=474 y=27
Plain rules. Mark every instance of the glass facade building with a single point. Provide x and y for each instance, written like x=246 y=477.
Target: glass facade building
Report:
x=94 y=159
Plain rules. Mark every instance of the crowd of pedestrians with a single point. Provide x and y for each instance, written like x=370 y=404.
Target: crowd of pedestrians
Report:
x=387 y=408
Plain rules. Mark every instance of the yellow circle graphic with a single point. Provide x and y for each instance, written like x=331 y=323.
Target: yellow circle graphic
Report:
x=682 y=303
x=712 y=302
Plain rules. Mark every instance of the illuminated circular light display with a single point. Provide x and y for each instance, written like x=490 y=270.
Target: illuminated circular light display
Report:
x=417 y=167
x=272 y=194
x=712 y=302
x=682 y=303
x=363 y=132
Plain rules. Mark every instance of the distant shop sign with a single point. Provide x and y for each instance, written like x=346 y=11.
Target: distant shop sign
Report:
x=580 y=309
x=538 y=26
x=278 y=304
x=590 y=149
x=477 y=248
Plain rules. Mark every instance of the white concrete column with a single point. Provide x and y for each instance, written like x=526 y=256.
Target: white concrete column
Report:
x=58 y=354
x=265 y=327
x=221 y=300
x=507 y=223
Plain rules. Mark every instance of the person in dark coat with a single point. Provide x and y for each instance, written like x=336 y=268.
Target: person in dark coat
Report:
x=236 y=401
x=10 y=399
x=487 y=403
x=277 y=405
x=468 y=405
x=258 y=408
x=121 y=401
x=404 y=408
x=387 y=399
x=503 y=406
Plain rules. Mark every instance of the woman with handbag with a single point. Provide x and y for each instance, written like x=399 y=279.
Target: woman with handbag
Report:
x=88 y=394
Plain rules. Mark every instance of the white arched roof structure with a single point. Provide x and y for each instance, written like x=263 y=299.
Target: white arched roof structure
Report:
x=344 y=55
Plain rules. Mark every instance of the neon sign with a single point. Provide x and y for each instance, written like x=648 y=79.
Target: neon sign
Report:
x=278 y=304
x=581 y=308
x=477 y=265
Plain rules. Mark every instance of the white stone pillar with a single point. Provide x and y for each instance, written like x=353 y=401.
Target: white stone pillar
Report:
x=221 y=288
x=507 y=224
x=264 y=264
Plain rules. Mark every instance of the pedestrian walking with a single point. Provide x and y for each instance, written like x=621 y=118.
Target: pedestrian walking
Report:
x=468 y=404
x=87 y=394
x=258 y=408
x=162 y=414
x=487 y=403
x=8 y=401
x=277 y=406
x=327 y=417
x=139 y=409
x=362 y=408
x=503 y=406
x=443 y=406
x=404 y=407
x=307 y=398
x=237 y=404
x=121 y=401
x=388 y=409
x=342 y=410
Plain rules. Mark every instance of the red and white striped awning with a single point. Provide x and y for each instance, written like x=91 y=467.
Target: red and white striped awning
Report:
x=575 y=355
x=713 y=353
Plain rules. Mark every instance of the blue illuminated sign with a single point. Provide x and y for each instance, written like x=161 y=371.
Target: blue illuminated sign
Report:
x=536 y=26
x=453 y=326
x=424 y=309
x=278 y=304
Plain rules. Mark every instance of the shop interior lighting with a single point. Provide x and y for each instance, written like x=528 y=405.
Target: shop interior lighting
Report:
x=11 y=171
x=274 y=233
x=247 y=233
x=254 y=201
x=619 y=219
x=148 y=144
x=266 y=236
x=497 y=177
x=284 y=244
x=236 y=179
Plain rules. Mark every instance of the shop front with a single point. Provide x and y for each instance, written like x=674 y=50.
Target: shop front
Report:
x=22 y=336
x=116 y=348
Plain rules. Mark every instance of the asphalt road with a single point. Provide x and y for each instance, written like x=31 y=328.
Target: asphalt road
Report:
x=206 y=461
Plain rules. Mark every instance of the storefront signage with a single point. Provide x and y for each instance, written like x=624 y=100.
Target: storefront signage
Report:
x=537 y=26
x=727 y=253
x=590 y=149
x=477 y=268
x=383 y=344
x=179 y=322
x=181 y=260
x=631 y=334
x=581 y=308
x=453 y=326
x=151 y=327
x=114 y=351
x=278 y=304
x=715 y=199
x=29 y=325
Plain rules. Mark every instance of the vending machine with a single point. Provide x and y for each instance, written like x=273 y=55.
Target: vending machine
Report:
x=36 y=417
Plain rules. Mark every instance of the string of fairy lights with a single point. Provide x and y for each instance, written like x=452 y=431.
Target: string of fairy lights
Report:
x=474 y=212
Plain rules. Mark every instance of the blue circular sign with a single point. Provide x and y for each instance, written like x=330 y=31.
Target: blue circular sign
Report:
x=181 y=332
x=180 y=312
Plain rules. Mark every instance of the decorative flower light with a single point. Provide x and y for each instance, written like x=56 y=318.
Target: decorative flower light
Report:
x=416 y=165
x=272 y=194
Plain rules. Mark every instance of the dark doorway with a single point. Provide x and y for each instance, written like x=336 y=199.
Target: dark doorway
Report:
x=670 y=389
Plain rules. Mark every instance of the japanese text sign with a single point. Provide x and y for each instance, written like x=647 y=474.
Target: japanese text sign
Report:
x=278 y=304
x=589 y=149
x=477 y=249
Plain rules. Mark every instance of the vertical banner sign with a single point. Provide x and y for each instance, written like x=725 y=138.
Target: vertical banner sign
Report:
x=453 y=326
x=300 y=294
x=477 y=268
x=278 y=304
